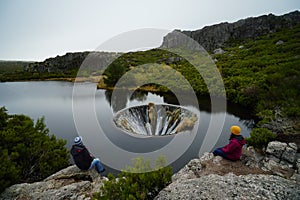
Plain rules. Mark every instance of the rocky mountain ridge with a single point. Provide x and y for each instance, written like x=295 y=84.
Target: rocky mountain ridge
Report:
x=216 y=36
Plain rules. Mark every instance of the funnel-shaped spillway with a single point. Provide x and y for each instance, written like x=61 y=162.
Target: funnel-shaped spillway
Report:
x=159 y=120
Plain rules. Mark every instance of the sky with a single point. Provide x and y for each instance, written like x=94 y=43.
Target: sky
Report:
x=33 y=30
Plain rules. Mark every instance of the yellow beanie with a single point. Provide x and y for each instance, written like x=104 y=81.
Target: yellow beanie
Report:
x=236 y=130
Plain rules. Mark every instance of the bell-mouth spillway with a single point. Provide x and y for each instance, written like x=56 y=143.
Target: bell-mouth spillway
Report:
x=155 y=120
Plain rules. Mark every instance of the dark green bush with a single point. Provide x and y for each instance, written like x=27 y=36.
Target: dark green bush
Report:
x=27 y=151
x=293 y=112
x=135 y=183
x=260 y=137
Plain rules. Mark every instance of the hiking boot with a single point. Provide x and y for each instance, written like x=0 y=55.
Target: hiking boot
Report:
x=102 y=170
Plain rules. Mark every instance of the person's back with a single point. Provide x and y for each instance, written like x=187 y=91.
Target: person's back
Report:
x=233 y=150
x=81 y=156
x=83 y=159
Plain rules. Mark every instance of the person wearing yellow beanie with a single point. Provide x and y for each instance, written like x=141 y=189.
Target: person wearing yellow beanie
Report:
x=236 y=130
x=233 y=150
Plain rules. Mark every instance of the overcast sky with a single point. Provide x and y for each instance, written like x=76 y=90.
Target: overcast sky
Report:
x=36 y=30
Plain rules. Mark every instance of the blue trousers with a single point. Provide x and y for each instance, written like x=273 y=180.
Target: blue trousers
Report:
x=219 y=152
x=96 y=162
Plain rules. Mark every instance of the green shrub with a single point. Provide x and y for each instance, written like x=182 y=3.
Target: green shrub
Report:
x=27 y=152
x=260 y=137
x=132 y=184
x=293 y=112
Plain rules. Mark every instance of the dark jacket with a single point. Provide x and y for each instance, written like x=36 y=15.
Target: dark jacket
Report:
x=81 y=157
x=233 y=150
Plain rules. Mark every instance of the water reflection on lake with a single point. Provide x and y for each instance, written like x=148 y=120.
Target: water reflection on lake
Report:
x=54 y=101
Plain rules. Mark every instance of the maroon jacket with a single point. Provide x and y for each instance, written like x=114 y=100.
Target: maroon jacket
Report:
x=233 y=150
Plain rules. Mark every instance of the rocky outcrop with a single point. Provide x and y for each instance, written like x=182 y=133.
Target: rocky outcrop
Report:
x=214 y=37
x=213 y=177
x=282 y=159
x=69 y=183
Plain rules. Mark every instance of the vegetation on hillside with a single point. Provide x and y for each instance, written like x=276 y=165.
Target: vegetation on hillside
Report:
x=27 y=151
x=264 y=73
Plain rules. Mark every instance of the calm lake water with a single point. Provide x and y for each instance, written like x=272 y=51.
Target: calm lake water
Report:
x=54 y=100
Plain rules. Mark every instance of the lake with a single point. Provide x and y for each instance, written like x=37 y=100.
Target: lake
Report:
x=55 y=100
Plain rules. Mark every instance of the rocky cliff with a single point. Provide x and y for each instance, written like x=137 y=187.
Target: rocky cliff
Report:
x=216 y=36
x=275 y=175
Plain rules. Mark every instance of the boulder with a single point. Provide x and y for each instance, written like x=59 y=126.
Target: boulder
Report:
x=282 y=152
x=289 y=155
x=69 y=183
x=276 y=148
x=219 y=51
x=280 y=159
x=279 y=42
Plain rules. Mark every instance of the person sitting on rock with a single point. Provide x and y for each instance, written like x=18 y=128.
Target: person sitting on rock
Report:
x=233 y=150
x=83 y=159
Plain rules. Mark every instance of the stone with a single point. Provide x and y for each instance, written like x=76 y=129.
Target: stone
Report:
x=289 y=154
x=269 y=164
x=298 y=165
x=206 y=156
x=282 y=151
x=296 y=177
x=275 y=159
x=217 y=160
x=293 y=146
x=279 y=42
x=276 y=148
x=218 y=51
